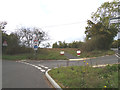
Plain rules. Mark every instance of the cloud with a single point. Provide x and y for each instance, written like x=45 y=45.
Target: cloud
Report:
x=56 y=13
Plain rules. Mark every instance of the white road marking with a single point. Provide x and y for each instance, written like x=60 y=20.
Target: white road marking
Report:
x=32 y=65
x=100 y=65
x=42 y=66
x=35 y=66
x=78 y=59
x=42 y=70
x=117 y=55
x=46 y=67
x=39 y=68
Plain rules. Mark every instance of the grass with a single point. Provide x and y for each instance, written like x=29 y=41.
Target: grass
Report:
x=72 y=51
x=86 y=76
x=54 y=54
x=15 y=57
x=95 y=53
x=42 y=54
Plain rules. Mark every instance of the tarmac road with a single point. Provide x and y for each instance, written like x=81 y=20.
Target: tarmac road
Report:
x=49 y=64
x=23 y=74
x=18 y=75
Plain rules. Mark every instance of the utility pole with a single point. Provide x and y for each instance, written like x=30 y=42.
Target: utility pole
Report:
x=118 y=33
x=119 y=15
x=2 y=25
x=119 y=29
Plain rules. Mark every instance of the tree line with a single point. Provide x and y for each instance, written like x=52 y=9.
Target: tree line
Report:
x=22 y=41
x=80 y=45
x=99 y=33
x=74 y=44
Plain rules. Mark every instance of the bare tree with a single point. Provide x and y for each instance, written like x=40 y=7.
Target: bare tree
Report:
x=27 y=35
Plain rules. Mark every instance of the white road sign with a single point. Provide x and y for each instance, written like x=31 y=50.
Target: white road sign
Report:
x=115 y=20
x=35 y=43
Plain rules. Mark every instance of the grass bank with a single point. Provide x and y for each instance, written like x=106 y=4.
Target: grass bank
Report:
x=86 y=76
x=95 y=53
x=54 y=54
x=42 y=54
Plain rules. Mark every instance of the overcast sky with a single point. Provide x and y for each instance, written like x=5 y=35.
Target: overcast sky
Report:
x=62 y=19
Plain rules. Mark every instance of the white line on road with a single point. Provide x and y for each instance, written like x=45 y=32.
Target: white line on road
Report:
x=42 y=66
x=42 y=70
x=117 y=55
x=39 y=68
x=46 y=67
x=77 y=59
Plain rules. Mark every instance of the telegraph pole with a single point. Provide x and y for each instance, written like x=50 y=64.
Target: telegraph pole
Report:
x=119 y=15
x=2 y=25
x=119 y=33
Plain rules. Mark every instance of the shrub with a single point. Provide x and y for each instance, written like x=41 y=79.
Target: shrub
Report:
x=112 y=68
x=99 y=42
x=18 y=50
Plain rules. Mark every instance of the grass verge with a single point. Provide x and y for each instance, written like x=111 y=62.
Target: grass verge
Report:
x=42 y=54
x=95 y=53
x=86 y=76
x=54 y=54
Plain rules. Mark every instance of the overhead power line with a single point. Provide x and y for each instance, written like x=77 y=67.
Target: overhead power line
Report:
x=59 y=25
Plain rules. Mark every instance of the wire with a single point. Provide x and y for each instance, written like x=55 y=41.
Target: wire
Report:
x=62 y=24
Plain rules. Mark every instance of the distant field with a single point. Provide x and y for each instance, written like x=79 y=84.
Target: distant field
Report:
x=86 y=76
x=54 y=54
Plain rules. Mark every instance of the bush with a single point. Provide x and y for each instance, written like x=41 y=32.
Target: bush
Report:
x=99 y=42
x=112 y=68
x=18 y=50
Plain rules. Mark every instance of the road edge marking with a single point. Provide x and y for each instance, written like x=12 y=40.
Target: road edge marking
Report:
x=52 y=80
x=78 y=59
x=35 y=66
x=117 y=55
